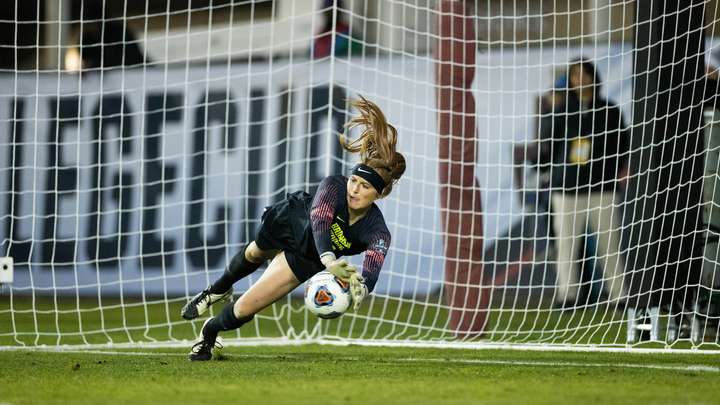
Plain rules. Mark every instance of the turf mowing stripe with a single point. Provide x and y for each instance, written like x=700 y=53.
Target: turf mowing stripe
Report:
x=699 y=368
x=563 y=364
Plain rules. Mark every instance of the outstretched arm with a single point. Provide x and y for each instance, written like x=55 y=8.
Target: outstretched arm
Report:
x=322 y=213
x=374 y=258
x=361 y=286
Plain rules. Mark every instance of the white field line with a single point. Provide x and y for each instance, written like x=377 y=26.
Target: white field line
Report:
x=255 y=342
x=531 y=363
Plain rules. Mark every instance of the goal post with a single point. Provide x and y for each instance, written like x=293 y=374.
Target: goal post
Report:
x=136 y=167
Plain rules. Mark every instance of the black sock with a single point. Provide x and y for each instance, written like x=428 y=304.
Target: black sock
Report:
x=239 y=267
x=223 y=321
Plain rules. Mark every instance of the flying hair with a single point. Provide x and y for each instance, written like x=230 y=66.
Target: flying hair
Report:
x=376 y=143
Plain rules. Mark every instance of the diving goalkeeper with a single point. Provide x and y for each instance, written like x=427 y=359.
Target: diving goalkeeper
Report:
x=303 y=234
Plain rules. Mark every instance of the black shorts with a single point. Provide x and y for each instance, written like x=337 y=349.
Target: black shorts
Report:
x=284 y=227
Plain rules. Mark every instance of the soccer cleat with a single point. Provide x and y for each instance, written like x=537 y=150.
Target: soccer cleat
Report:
x=201 y=302
x=203 y=349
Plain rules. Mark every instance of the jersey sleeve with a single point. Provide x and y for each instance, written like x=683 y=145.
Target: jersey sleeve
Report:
x=375 y=257
x=322 y=213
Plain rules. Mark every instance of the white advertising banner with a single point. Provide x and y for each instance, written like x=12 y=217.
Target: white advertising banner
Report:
x=148 y=181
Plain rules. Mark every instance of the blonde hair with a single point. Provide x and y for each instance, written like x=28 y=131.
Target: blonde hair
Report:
x=376 y=144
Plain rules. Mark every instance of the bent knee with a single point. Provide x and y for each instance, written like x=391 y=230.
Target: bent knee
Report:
x=256 y=255
x=243 y=309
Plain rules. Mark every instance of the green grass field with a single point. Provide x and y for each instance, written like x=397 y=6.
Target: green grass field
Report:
x=363 y=375
x=332 y=374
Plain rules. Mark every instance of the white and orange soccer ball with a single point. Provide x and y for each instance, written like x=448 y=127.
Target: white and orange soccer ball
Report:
x=327 y=296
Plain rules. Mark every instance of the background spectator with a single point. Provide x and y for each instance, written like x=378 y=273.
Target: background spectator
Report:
x=345 y=45
x=588 y=147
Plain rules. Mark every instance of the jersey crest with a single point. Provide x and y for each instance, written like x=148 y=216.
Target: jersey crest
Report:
x=381 y=246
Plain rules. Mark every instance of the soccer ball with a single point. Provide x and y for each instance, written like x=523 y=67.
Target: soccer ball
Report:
x=327 y=296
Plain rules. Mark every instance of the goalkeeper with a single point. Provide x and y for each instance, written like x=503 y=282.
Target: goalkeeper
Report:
x=303 y=234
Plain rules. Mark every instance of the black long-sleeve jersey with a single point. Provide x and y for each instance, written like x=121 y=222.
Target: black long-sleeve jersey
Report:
x=588 y=145
x=329 y=229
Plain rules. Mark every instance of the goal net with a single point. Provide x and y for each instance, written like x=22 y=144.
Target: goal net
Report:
x=559 y=192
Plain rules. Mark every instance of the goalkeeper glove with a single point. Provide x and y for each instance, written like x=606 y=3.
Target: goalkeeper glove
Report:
x=358 y=289
x=341 y=269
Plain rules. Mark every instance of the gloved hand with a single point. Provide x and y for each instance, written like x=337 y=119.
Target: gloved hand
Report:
x=358 y=290
x=341 y=269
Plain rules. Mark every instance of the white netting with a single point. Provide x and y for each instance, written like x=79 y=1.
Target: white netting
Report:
x=143 y=140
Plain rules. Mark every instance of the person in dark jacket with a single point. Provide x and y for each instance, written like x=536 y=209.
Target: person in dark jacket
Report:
x=589 y=146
